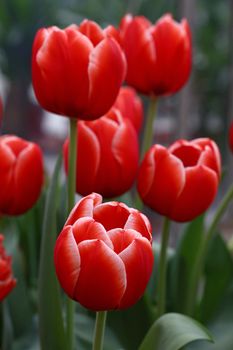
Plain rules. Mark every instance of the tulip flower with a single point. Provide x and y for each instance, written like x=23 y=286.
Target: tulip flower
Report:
x=180 y=182
x=107 y=155
x=103 y=256
x=7 y=281
x=130 y=106
x=77 y=72
x=158 y=56
x=231 y=137
x=21 y=174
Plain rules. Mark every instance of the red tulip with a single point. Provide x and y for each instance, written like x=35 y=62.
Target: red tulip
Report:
x=103 y=256
x=77 y=72
x=130 y=106
x=107 y=155
x=231 y=137
x=21 y=174
x=158 y=56
x=180 y=182
x=7 y=281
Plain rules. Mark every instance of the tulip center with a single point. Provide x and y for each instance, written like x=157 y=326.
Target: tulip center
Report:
x=188 y=154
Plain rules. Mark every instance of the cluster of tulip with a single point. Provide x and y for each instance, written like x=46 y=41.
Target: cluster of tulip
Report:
x=103 y=256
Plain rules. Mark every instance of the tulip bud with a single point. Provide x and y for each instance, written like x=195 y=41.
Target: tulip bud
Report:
x=107 y=155
x=158 y=56
x=103 y=256
x=21 y=174
x=77 y=72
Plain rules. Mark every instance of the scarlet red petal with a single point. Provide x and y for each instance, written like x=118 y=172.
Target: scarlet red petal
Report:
x=161 y=179
x=140 y=53
x=111 y=215
x=106 y=70
x=92 y=30
x=121 y=238
x=199 y=191
x=102 y=280
x=138 y=260
x=87 y=228
x=84 y=208
x=139 y=222
x=173 y=55
x=67 y=260
x=27 y=180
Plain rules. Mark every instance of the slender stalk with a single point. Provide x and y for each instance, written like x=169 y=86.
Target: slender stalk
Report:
x=98 y=339
x=148 y=132
x=198 y=267
x=163 y=267
x=147 y=139
x=70 y=305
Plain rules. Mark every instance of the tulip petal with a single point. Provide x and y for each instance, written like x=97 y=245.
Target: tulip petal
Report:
x=111 y=215
x=87 y=228
x=88 y=159
x=161 y=179
x=138 y=260
x=26 y=185
x=139 y=222
x=121 y=238
x=92 y=30
x=102 y=279
x=198 y=193
x=83 y=208
x=140 y=53
x=106 y=72
x=67 y=260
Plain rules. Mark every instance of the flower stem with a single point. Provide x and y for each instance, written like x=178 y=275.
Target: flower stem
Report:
x=148 y=132
x=70 y=305
x=99 y=330
x=147 y=139
x=198 y=267
x=163 y=267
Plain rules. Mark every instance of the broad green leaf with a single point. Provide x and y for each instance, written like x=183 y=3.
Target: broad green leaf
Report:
x=173 y=331
x=52 y=334
x=180 y=266
x=221 y=326
x=218 y=276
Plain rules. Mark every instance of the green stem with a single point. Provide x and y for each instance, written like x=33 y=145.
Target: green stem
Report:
x=148 y=132
x=147 y=139
x=70 y=305
x=163 y=267
x=99 y=330
x=198 y=267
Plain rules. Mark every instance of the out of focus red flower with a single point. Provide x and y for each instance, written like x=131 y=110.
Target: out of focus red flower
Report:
x=7 y=281
x=231 y=137
x=130 y=106
x=103 y=256
x=77 y=72
x=107 y=155
x=158 y=56
x=180 y=182
x=21 y=174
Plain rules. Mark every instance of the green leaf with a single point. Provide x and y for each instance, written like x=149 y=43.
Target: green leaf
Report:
x=52 y=333
x=219 y=262
x=173 y=331
x=180 y=266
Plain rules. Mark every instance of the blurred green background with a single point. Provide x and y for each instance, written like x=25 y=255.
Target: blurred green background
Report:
x=204 y=107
